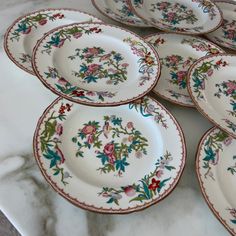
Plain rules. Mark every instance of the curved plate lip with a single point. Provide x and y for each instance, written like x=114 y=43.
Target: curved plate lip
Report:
x=165 y=97
x=103 y=104
x=203 y=190
x=6 y=35
x=212 y=38
x=196 y=102
x=176 y=31
x=92 y=208
x=113 y=18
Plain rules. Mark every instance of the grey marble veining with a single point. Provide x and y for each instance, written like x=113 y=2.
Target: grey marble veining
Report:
x=31 y=204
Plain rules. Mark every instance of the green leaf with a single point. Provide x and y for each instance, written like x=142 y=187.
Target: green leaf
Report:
x=146 y=190
x=140 y=199
x=111 y=200
x=74 y=139
x=57 y=171
x=233 y=221
x=169 y=167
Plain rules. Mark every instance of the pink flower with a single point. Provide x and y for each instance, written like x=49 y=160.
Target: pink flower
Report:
x=93 y=67
x=181 y=75
x=163 y=5
x=228 y=141
x=88 y=129
x=129 y=191
x=171 y=16
x=125 y=64
x=231 y=34
x=62 y=81
x=27 y=30
x=43 y=21
x=130 y=125
x=60 y=44
x=92 y=52
x=186 y=63
x=210 y=72
x=173 y=60
x=90 y=93
x=59 y=129
x=90 y=139
x=77 y=35
x=109 y=150
x=159 y=173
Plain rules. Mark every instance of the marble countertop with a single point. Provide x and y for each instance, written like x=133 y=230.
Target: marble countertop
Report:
x=31 y=204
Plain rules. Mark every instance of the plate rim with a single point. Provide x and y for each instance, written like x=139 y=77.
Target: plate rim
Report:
x=177 y=31
x=196 y=102
x=194 y=36
x=126 y=23
x=7 y=32
x=212 y=38
x=200 y=182
x=98 y=104
x=92 y=208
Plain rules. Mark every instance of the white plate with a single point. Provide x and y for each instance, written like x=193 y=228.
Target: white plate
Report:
x=212 y=86
x=226 y=34
x=96 y=64
x=177 y=53
x=24 y=33
x=119 y=10
x=113 y=159
x=216 y=171
x=181 y=16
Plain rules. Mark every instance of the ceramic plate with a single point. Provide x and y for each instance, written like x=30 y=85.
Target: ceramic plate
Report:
x=212 y=86
x=96 y=64
x=182 y=16
x=24 y=33
x=120 y=11
x=226 y=34
x=177 y=53
x=111 y=160
x=216 y=171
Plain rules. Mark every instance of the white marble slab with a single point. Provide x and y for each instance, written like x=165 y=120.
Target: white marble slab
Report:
x=31 y=204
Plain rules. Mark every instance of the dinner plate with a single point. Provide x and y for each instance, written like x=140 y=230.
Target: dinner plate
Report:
x=112 y=159
x=216 y=171
x=119 y=10
x=96 y=64
x=177 y=53
x=212 y=86
x=180 y=16
x=226 y=34
x=24 y=33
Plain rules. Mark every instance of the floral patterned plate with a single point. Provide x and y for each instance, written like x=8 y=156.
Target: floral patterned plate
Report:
x=177 y=53
x=96 y=64
x=119 y=10
x=182 y=16
x=24 y=33
x=212 y=86
x=226 y=34
x=111 y=160
x=216 y=171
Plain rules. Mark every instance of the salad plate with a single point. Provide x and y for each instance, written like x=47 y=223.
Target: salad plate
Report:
x=24 y=33
x=212 y=86
x=226 y=34
x=182 y=16
x=96 y=64
x=216 y=172
x=177 y=53
x=119 y=10
x=111 y=160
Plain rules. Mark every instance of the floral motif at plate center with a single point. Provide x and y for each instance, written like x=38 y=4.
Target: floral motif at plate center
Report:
x=100 y=64
x=112 y=141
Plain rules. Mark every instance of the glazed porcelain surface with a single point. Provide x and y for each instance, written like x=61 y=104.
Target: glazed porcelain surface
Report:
x=226 y=34
x=120 y=11
x=177 y=53
x=91 y=156
x=24 y=33
x=188 y=17
x=216 y=170
x=212 y=86
x=96 y=64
